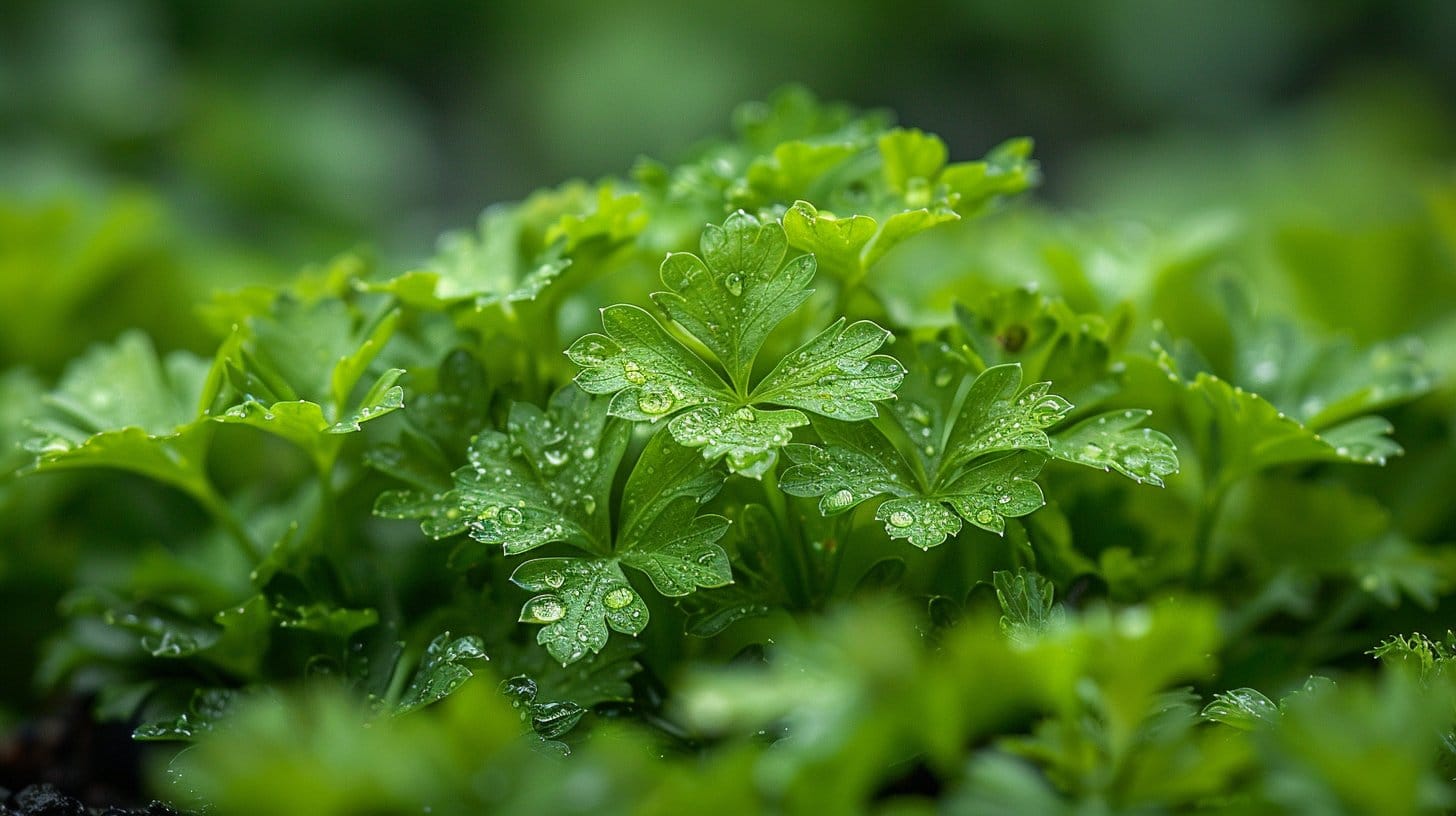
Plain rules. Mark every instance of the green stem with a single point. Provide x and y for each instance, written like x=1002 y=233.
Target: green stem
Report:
x=1208 y=512
x=223 y=515
x=796 y=561
x=839 y=527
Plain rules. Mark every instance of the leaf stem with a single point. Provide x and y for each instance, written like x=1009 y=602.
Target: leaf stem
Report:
x=1208 y=512
x=796 y=560
x=222 y=514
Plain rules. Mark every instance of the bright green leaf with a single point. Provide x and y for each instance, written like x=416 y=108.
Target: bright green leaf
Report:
x=441 y=671
x=1112 y=441
x=579 y=599
x=737 y=292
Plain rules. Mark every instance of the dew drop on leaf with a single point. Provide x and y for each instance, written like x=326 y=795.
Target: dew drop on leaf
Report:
x=901 y=518
x=618 y=597
x=655 y=401
x=734 y=284
x=591 y=352
x=511 y=517
x=838 y=500
x=547 y=610
x=554 y=579
x=633 y=373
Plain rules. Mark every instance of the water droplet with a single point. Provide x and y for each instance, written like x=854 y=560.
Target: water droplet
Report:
x=589 y=452
x=619 y=597
x=655 y=401
x=734 y=284
x=744 y=414
x=489 y=513
x=633 y=373
x=838 y=500
x=511 y=517
x=588 y=504
x=901 y=518
x=985 y=517
x=917 y=413
x=520 y=689
x=706 y=557
x=546 y=610
x=554 y=579
x=557 y=458
x=591 y=352
x=1005 y=499
x=943 y=377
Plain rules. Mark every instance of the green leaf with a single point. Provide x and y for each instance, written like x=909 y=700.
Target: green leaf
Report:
x=836 y=374
x=325 y=620
x=858 y=464
x=989 y=493
x=846 y=247
x=838 y=244
x=613 y=219
x=1113 y=441
x=126 y=385
x=1243 y=708
x=900 y=226
x=121 y=406
x=792 y=170
x=679 y=549
x=732 y=297
x=665 y=471
x=730 y=300
x=579 y=599
x=1050 y=340
x=1007 y=170
x=998 y=415
x=911 y=154
x=1364 y=439
x=549 y=479
x=163 y=632
x=1027 y=607
x=1321 y=384
x=516 y=252
x=1244 y=433
x=750 y=437
x=204 y=711
x=440 y=513
x=651 y=374
x=553 y=489
x=441 y=671
x=923 y=522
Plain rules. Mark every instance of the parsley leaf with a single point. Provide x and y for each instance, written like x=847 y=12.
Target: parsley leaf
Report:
x=729 y=300
x=1027 y=606
x=963 y=452
x=548 y=479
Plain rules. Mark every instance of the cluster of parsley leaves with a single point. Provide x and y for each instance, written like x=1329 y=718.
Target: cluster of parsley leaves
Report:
x=750 y=422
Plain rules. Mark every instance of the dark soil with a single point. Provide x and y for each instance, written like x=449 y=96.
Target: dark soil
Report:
x=45 y=800
x=59 y=764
